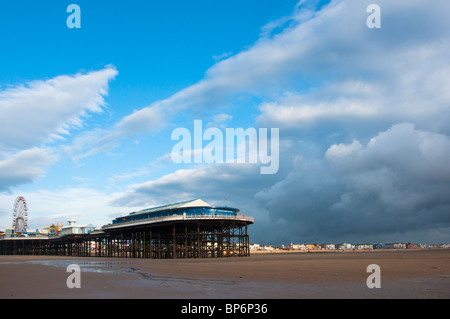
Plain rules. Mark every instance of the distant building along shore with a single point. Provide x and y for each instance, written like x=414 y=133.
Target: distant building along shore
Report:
x=342 y=247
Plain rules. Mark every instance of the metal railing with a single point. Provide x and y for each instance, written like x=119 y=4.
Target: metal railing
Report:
x=153 y=220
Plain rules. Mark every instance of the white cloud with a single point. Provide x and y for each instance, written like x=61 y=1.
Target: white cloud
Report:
x=89 y=143
x=255 y=70
x=25 y=167
x=327 y=66
x=41 y=111
x=219 y=120
x=145 y=120
x=149 y=119
x=353 y=74
x=121 y=177
x=215 y=183
x=222 y=56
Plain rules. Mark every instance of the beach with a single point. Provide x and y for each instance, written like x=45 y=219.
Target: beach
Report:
x=420 y=274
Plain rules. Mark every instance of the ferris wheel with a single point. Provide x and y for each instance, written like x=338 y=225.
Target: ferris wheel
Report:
x=20 y=215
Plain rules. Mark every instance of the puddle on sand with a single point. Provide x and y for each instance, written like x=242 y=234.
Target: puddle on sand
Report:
x=115 y=267
x=106 y=267
x=166 y=284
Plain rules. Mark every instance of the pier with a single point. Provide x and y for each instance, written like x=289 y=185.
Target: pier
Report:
x=191 y=229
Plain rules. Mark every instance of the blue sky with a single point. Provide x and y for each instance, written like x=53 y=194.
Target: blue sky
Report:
x=158 y=48
x=87 y=114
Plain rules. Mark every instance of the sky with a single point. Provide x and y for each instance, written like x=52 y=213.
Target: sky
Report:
x=363 y=114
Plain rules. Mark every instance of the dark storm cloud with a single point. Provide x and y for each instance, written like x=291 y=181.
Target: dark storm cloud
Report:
x=386 y=89
x=399 y=182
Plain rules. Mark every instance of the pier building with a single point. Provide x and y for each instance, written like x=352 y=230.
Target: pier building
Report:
x=191 y=229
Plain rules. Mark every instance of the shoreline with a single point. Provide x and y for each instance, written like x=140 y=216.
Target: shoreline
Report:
x=418 y=273
x=340 y=251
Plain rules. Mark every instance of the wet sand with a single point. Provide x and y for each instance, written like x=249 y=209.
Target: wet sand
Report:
x=404 y=274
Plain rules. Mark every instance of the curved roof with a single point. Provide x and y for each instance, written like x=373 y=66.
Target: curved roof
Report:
x=186 y=204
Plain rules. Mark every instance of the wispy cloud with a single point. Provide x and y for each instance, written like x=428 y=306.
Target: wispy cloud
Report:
x=25 y=167
x=42 y=113
x=45 y=110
